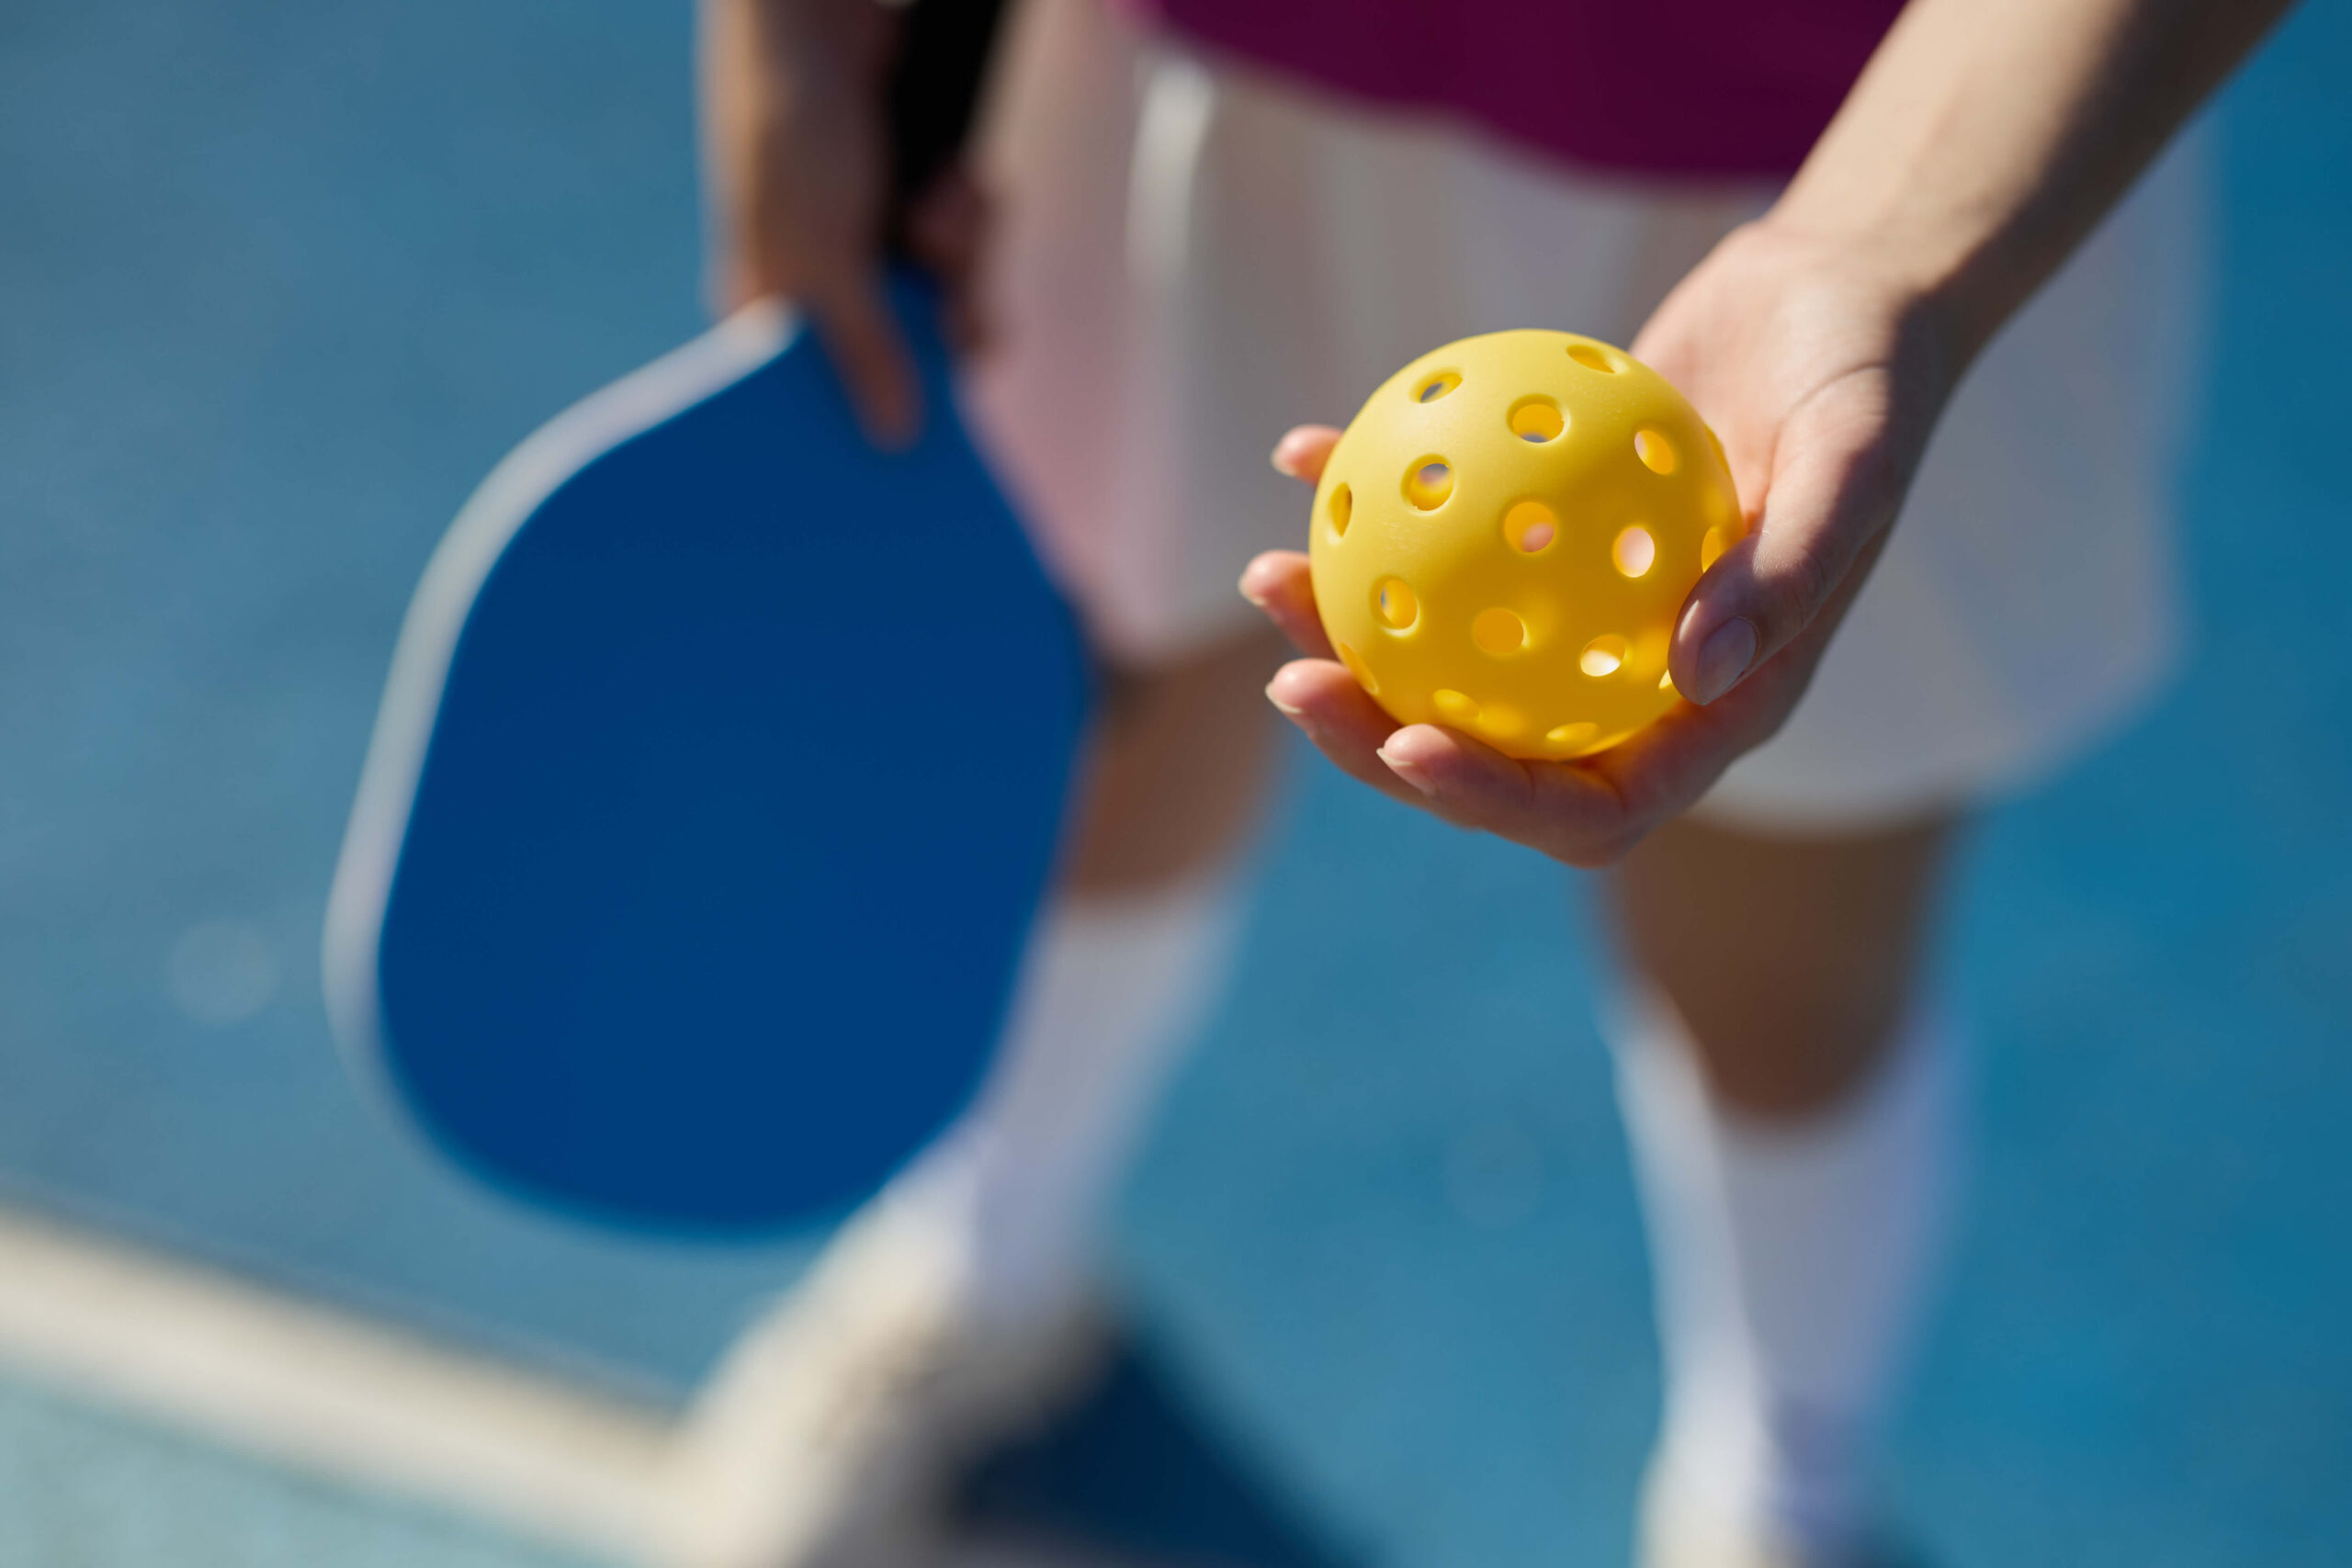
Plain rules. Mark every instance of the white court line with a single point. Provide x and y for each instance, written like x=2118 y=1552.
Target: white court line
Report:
x=329 y=1391
x=333 y=1393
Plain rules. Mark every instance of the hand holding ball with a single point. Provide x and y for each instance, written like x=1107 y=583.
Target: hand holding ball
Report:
x=1505 y=534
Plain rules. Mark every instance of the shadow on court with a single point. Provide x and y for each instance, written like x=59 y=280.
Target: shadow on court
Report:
x=1139 y=1473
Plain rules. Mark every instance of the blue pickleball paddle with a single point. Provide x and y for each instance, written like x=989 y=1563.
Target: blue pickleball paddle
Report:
x=721 y=769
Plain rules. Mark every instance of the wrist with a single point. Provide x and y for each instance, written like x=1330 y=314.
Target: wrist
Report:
x=1923 y=284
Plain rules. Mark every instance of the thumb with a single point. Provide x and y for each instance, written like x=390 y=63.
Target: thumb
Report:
x=1826 y=502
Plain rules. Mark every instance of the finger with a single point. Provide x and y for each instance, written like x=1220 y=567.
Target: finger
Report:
x=947 y=229
x=1662 y=771
x=969 y=327
x=1835 y=486
x=1669 y=767
x=861 y=338
x=948 y=223
x=1303 y=451
x=1324 y=701
x=1278 y=583
x=1568 y=810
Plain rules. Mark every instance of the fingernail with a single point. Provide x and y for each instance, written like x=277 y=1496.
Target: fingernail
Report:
x=1275 y=457
x=1289 y=710
x=1243 y=586
x=1723 y=657
x=1409 y=772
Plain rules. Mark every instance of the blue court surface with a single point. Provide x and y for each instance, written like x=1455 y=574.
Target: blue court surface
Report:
x=279 y=282
x=82 y=1487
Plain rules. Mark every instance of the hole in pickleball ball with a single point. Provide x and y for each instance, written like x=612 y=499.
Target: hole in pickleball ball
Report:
x=1570 y=737
x=1537 y=418
x=1395 y=601
x=1711 y=547
x=1457 y=709
x=1343 y=506
x=1499 y=632
x=1655 y=450
x=1357 y=668
x=1428 y=482
x=1634 y=552
x=1602 y=656
x=1437 y=386
x=1591 y=358
x=1528 y=527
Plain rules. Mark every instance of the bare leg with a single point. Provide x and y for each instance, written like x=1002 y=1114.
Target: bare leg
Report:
x=954 y=1309
x=1179 y=769
x=1791 y=1108
x=1790 y=959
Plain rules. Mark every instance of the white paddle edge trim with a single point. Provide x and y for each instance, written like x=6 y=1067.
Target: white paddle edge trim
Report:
x=437 y=616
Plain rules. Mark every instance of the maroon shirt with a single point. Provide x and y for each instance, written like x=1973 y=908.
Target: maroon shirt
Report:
x=1697 y=87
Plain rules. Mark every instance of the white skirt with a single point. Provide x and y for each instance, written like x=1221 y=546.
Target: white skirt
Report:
x=1194 y=257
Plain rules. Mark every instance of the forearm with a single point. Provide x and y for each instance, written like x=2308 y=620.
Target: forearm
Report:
x=798 y=155
x=1988 y=136
x=786 y=27
x=792 y=46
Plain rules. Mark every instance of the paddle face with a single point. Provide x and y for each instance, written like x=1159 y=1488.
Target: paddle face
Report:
x=720 y=770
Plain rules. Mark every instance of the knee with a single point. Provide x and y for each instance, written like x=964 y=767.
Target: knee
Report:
x=1800 y=1044
x=1791 y=962
x=1177 y=770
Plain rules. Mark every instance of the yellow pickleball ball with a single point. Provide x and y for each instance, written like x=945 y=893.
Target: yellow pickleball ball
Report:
x=1506 y=532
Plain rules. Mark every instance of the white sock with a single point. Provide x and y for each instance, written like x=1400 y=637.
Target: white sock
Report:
x=1113 y=988
x=1791 y=1260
